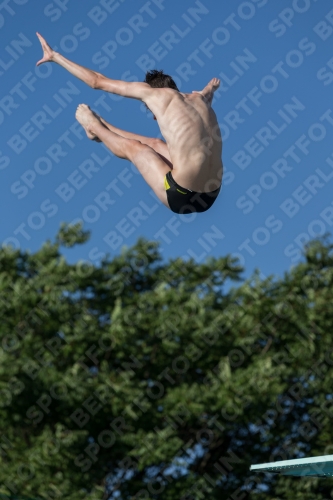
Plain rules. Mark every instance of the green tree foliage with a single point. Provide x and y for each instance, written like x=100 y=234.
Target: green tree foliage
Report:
x=138 y=378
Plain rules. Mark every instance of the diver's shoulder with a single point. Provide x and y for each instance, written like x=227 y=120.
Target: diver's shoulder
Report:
x=166 y=94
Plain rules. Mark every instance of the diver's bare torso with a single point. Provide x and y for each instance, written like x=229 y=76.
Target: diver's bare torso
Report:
x=190 y=128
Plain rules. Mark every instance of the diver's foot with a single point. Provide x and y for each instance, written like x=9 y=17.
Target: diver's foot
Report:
x=89 y=120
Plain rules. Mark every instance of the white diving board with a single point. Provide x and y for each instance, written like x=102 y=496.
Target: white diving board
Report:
x=315 y=466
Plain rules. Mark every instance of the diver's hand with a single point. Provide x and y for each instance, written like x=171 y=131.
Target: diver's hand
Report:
x=48 y=55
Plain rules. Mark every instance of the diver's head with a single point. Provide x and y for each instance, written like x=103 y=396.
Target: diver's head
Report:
x=158 y=80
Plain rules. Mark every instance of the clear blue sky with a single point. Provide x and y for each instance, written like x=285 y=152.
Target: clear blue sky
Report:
x=275 y=63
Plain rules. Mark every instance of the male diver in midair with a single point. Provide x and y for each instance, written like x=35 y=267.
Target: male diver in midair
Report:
x=185 y=172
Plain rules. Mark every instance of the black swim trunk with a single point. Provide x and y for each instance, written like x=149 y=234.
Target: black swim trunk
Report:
x=184 y=201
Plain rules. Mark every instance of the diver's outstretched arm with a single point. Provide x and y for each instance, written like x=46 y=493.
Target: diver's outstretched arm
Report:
x=209 y=90
x=95 y=80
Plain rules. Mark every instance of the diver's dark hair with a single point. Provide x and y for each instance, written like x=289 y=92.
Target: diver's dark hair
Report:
x=157 y=79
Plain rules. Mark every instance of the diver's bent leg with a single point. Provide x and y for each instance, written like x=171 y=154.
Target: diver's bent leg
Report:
x=149 y=163
x=157 y=144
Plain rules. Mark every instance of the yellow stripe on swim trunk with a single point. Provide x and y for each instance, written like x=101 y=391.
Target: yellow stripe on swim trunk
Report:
x=167 y=186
